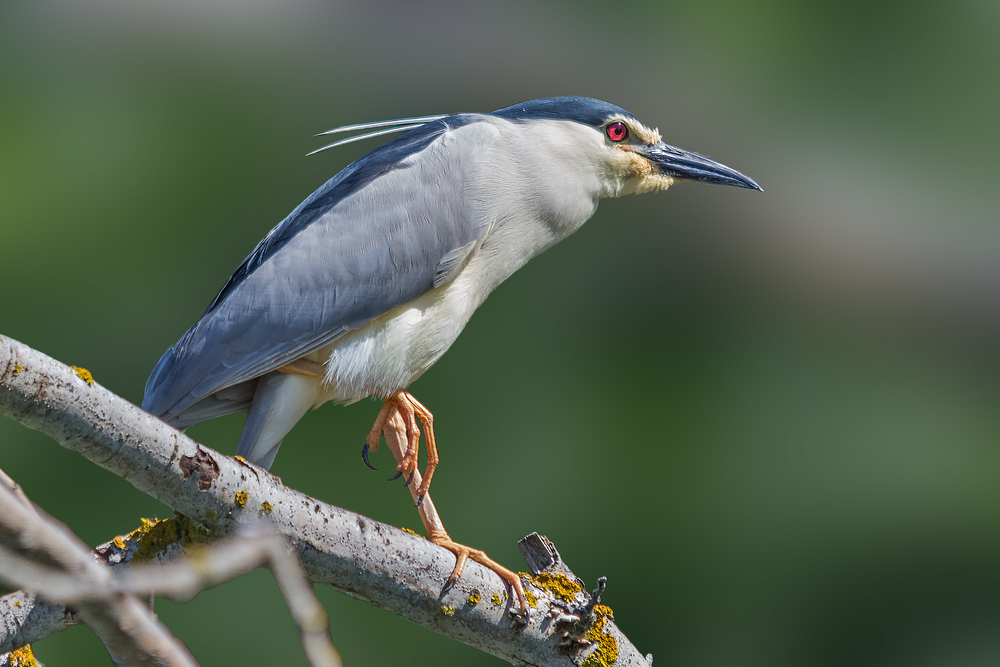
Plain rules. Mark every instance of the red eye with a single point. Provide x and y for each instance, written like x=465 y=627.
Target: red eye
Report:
x=617 y=131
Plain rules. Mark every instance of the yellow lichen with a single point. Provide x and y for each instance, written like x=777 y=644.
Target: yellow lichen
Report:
x=559 y=585
x=532 y=598
x=447 y=611
x=17 y=370
x=240 y=459
x=17 y=603
x=606 y=652
x=604 y=610
x=266 y=507
x=119 y=542
x=153 y=536
x=475 y=598
x=22 y=657
x=496 y=600
x=83 y=374
x=242 y=497
x=411 y=532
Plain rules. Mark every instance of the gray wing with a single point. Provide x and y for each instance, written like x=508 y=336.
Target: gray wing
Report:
x=337 y=262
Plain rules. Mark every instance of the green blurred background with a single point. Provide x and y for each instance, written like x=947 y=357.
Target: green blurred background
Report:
x=771 y=420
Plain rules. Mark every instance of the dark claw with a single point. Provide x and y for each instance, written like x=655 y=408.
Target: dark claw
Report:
x=420 y=501
x=410 y=479
x=364 y=457
x=448 y=585
x=396 y=476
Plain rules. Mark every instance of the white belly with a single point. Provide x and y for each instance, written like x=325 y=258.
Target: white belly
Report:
x=392 y=351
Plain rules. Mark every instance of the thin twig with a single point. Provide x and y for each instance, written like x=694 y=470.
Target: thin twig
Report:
x=127 y=628
x=183 y=579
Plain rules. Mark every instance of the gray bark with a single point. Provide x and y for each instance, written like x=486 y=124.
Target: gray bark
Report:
x=368 y=560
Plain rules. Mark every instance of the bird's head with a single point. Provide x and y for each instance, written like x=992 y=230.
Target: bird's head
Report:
x=633 y=157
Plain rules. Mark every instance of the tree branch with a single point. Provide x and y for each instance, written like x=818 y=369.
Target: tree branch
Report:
x=368 y=560
x=42 y=555
x=127 y=628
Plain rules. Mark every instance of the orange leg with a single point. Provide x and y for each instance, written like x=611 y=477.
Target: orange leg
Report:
x=405 y=407
x=410 y=410
x=399 y=428
x=427 y=419
x=375 y=435
x=400 y=403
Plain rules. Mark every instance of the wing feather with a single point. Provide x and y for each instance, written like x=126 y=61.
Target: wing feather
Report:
x=368 y=241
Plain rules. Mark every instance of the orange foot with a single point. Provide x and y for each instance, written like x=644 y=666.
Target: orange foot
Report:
x=410 y=410
x=463 y=553
x=398 y=421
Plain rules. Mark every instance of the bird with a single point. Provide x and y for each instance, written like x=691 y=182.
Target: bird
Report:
x=369 y=281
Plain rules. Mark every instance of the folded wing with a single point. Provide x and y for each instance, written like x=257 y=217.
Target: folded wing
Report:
x=369 y=240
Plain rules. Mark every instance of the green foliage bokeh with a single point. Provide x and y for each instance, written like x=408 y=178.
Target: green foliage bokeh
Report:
x=770 y=419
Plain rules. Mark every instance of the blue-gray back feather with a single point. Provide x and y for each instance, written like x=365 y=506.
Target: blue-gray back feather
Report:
x=368 y=241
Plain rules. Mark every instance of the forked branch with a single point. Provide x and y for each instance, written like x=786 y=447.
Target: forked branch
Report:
x=385 y=566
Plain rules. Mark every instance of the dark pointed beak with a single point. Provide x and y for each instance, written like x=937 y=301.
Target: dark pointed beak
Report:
x=690 y=166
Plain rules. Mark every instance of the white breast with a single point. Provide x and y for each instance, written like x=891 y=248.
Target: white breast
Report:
x=392 y=351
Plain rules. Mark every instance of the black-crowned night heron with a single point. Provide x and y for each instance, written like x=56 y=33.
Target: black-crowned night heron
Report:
x=372 y=278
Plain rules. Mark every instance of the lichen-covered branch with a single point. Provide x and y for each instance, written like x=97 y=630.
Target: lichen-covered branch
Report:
x=128 y=629
x=25 y=619
x=45 y=569
x=386 y=566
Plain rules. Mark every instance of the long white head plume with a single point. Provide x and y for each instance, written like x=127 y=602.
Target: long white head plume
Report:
x=395 y=125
